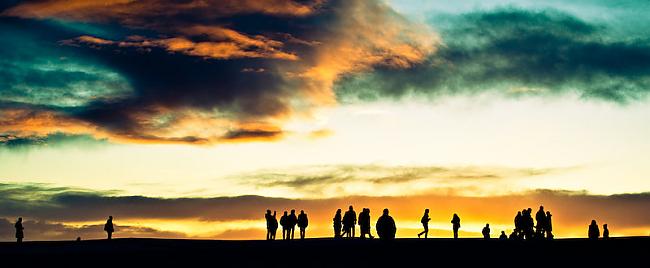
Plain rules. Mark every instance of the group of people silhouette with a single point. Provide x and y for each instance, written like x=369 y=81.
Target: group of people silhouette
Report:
x=288 y=223
x=344 y=225
x=526 y=229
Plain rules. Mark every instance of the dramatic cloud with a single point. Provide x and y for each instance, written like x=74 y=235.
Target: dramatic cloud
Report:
x=572 y=210
x=518 y=52
x=145 y=70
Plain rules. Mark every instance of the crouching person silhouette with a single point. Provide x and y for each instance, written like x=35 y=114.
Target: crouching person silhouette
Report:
x=108 y=227
x=386 y=228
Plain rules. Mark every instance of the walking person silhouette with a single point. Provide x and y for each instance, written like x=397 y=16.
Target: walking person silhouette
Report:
x=19 y=230
x=302 y=223
x=455 y=221
x=336 y=223
x=108 y=227
x=425 y=223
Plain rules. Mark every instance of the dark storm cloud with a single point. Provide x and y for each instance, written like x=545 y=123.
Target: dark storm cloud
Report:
x=170 y=69
x=518 y=52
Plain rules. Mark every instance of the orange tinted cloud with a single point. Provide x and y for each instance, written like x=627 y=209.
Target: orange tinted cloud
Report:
x=131 y=12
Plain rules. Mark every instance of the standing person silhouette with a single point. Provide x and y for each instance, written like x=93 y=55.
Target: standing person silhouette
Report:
x=19 y=230
x=386 y=228
x=302 y=223
x=269 y=219
x=486 y=231
x=594 y=232
x=273 y=226
x=364 y=223
x=336 y=223
x=349 y=222
x=455 y=221
x=293 y=220
x=425 y=223
x=540 y=217
x=605 y=231
x=108 y=227
x=549 y=225
x=284 y=222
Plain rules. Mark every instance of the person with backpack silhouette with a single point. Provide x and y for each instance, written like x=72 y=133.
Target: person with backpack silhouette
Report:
x=605 y=231
x=20 y=234
x=455 y=222
x=594 y=232
x=486 y=231
x=425 y=223
x=284 y=222
x=292 y=221
x=349 y=222
x=108 y=227
x=386 y=228
x=302 y=223
x=337 y=224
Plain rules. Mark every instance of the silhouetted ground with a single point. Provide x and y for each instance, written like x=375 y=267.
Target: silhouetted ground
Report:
x=331 y=253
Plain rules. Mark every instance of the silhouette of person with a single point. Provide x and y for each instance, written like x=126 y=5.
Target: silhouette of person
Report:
x=19 y=230
x=364 y=223
x=518 y=222
x=108 y=227
x=349 y=222
x=284 y=222
x=455 y=222
x=273 y=226
x=267 y=217
x=503 y=236
x=527 y=223
x=549 y=225
x=486 y=231
x=386 y=228
x=425 y=223
x=540 y=217
x=594 y=232
x=605 y=231
x=292 y=221
x=302 y=223
x=337 y=224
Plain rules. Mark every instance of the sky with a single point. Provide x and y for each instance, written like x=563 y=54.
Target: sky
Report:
x=188 y=119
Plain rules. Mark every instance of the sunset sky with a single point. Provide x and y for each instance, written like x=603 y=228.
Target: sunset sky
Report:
x=190 y=118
